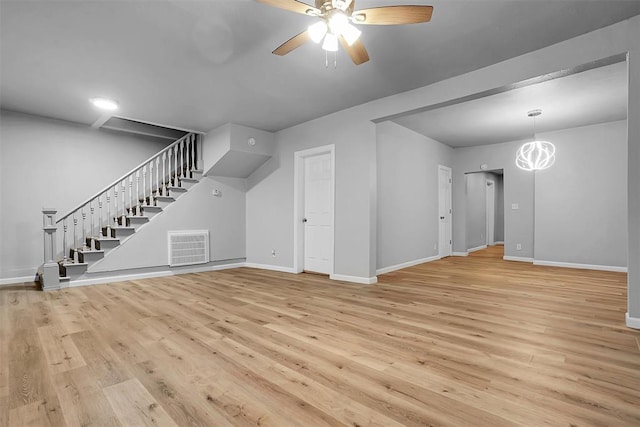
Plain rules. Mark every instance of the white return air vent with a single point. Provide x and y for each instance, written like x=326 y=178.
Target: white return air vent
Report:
x=188 y=247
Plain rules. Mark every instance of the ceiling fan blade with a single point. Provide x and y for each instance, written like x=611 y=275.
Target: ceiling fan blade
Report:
x=291 y=44
x=356 y=51
x=393 y=15
x=291 y=5
x=351 y=7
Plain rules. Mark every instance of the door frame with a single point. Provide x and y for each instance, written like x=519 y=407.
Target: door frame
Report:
x=491 y=241
x=448 y=169
x=298 y=204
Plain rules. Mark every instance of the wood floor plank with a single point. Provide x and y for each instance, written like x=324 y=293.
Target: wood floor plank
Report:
x=82 y=399
x=59 y=349
x=134 y=406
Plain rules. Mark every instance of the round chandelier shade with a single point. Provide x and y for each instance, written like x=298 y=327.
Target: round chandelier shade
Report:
x=536 y=155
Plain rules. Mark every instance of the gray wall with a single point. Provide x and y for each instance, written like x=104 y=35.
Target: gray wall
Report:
x=270 y=198
x=580 y=202
x=56 y=164
x=407 y=205
x=198 y=209
x=476 y=208
x=633 y=177
x=499 y=229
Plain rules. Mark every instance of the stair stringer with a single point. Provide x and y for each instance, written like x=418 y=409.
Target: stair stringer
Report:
x=198 y=209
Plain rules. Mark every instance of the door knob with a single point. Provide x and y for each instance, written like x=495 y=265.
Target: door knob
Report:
x=304 y=219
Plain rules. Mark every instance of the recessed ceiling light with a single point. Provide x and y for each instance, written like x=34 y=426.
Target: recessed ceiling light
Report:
x=104 y=104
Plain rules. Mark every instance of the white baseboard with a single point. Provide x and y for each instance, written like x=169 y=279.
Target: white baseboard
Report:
x=632 y=322
x=477 y=248
x=499 y=243
x=459 y=253
x=406 y=264
x=150 y=275
x=354 y=279
x=270 y=267
x=581 y=266
x=17 y=280
x=517 y=258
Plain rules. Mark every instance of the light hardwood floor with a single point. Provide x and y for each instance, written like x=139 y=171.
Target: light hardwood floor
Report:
x=471 y=341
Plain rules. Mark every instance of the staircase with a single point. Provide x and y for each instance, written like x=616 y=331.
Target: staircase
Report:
x=88 y=233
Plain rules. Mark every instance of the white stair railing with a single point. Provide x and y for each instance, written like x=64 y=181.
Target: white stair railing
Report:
x=112 y=200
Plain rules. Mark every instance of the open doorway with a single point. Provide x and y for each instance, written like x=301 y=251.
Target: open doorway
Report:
x=484 y=209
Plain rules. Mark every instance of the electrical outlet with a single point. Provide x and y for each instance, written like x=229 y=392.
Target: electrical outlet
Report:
x=518 y=246
x=273 y=252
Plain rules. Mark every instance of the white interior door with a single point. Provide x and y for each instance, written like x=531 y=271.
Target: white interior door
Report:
x=491 y=212
x=444 y=211
x=317 y=213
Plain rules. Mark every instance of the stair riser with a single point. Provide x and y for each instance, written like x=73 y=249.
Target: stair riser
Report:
x=90 y=257
x=107 y=245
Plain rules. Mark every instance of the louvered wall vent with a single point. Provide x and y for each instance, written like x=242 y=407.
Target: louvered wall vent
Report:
x=188 y=247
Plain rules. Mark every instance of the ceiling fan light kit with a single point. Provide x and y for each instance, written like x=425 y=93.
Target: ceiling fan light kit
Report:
x=336 y=24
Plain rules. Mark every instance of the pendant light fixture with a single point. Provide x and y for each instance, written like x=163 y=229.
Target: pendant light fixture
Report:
x=536 y=155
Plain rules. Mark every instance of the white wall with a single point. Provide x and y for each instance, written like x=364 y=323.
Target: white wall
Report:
x=198 y=209
x=52 y=163
x=407 y=202
x=580 y=204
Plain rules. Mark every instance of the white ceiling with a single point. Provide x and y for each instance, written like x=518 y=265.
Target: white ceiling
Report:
x=199 y=64
x=595 y=96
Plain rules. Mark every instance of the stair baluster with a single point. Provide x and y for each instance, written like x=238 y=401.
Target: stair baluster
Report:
x=75 y=238
x=124 y=190
x=108 y=213
x=138 y=192
x=100 y=216
x=84 y=229
x=144 y=187
x=157 y=178
x=164 y=175
x=193 y=154
x=182 y=159
x=64 y=241
x=91 y=235
x=131 y=195
x=188 y=158
x=148 y=201
x=175 y=170
x=115 y=201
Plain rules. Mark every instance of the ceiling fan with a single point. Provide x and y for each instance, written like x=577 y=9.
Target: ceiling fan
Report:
x=335 y=24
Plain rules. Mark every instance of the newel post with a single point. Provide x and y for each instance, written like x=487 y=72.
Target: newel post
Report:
x=50 y=278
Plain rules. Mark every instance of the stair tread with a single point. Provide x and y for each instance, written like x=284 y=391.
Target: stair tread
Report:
x=137 y=216
x=194 y=180
x=153 y=208
x=164 y=198
x=69 y=264
x=106 y=238
x=90 y=251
